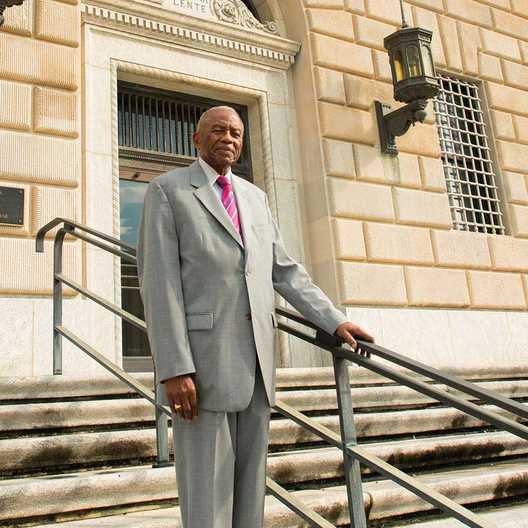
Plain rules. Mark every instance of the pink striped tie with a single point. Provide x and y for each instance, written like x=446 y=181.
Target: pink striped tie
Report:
x=228 y=199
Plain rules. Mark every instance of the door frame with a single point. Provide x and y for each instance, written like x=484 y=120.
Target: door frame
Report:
x=141 y=165
x=262 y=82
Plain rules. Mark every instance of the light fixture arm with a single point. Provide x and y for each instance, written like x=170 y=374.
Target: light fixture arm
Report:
x=396 y=123
x=404 y=21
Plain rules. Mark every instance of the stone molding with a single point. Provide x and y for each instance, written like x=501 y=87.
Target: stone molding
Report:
x=116 y=212
x=250 y=44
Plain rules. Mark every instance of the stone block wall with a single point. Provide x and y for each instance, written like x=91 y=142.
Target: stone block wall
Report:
x=39 y=135
x=390 y=224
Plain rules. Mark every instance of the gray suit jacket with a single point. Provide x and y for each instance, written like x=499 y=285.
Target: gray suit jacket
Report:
x=208 y=297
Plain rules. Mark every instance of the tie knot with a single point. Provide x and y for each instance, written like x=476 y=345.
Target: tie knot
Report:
x=223 y=181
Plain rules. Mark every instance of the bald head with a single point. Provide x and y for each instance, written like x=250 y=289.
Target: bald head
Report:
x=219 y=137
x=215 y=111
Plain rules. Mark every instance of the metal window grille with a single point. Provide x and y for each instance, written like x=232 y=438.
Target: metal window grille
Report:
x=158 y=123
x=155 y=123
x=468 y=166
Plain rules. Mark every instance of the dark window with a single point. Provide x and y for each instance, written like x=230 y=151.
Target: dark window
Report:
x=155 y=130
x=157 y=124
x=468 y=164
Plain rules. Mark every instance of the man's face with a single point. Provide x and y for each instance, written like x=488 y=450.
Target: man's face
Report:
x=220 y=139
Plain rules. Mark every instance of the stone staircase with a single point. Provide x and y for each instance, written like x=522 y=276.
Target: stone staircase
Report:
x=79 y=452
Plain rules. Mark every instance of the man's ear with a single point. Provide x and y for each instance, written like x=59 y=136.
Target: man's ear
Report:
x=196 y=140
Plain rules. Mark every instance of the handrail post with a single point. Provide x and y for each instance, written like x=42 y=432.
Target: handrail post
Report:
x=352 y=470
x=57 y=300
x=162 y=431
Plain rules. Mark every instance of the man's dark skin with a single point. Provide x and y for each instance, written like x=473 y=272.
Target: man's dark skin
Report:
x=219 y=141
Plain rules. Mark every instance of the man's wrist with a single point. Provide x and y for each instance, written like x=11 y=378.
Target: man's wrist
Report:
x=191 y=373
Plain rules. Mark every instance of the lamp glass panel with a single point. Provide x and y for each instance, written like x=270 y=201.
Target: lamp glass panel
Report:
x=398 y=66
x=428 y=62
x=413 y=62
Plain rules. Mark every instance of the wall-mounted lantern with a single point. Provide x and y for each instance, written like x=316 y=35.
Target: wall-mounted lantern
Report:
x=5 y=4
x=414 y=79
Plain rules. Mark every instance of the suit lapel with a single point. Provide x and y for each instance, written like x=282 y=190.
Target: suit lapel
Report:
x=206 y=194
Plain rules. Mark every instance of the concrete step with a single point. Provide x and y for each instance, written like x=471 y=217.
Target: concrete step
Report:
x=110 y=412
x=36 y=452
x=383 y=499
x=107 y=488
x=512 y=516
x=381 y=424
x=65 y=387
x=425 y=453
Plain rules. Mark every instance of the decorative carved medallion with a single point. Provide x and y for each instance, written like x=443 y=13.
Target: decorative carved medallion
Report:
x=7 y=3
x=236 y=12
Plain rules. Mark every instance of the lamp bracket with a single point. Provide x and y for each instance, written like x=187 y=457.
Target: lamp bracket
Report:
x=397 y=122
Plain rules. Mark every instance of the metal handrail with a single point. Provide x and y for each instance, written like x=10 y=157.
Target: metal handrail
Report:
x=72 y=224
x=107 y=243
x=347 y=440
x=94 y=237
x=383 y=468
x=334 y=345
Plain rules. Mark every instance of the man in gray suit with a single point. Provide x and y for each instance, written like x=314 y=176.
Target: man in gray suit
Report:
x=210 y=257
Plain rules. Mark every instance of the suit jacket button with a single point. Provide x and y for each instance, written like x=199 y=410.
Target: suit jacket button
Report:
x=248 y=316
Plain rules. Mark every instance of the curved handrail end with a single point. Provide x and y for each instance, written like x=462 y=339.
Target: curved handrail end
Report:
x=39 y=238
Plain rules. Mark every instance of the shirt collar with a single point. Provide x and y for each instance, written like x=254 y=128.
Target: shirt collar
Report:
x=211 y=174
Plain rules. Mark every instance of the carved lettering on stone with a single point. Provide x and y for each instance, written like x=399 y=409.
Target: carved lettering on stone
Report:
x=193 y=7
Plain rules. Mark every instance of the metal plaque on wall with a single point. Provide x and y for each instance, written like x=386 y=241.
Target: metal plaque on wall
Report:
x=11 y=206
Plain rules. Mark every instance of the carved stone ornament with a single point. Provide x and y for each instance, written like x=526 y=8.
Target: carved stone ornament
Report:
x=235 y=12
x=7 y=3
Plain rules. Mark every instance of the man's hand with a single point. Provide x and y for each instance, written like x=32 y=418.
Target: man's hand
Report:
x=348 y=331
x=181 y=393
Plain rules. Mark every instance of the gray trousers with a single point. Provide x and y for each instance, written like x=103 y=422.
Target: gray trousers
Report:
x=220 y=461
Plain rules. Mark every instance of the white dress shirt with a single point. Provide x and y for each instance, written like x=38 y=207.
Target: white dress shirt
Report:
x=212 y=175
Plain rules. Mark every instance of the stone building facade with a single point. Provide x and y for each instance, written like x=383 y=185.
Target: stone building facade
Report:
x=380 y=234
